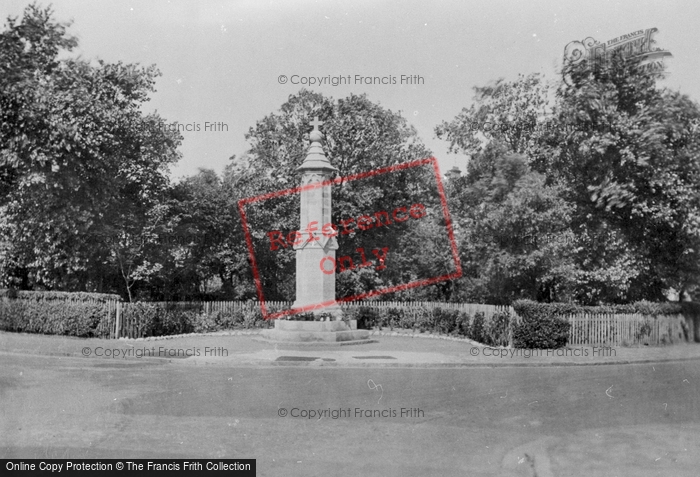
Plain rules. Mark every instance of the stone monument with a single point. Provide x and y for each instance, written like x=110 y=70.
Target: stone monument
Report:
x=315 y=290
x=313 y=286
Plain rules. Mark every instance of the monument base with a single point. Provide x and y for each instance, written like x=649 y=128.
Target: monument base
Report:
x=320 y=332
x=334 y=310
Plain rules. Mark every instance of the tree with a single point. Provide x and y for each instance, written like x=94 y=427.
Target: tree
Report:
x=621 y=152
x=360 y=136
x=79 y=161
x=513 y=229
x=628 y=153
x=510 y=113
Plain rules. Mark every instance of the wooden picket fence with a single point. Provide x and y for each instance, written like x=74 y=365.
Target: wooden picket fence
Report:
x=108 y=328
x=471 y=308
x=626 y=329
x=586 y=329
x=121 y=324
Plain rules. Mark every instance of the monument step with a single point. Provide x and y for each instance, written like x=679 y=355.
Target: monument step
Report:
x=305 y=336
x=315 y=326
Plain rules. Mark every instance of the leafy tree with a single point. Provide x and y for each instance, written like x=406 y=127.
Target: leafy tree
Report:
x=510 y=113
x=628 y=154
x=360 y=136
x=135 y=247
x=79 y=161
x=194 y=253
x=513 y=231
x=619 y=150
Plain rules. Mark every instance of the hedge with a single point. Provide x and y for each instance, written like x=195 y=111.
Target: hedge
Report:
x=52 y=317
x=642 y=307
x=163 y=319
x=57 y=295
x=436 y=320
x=540 y=326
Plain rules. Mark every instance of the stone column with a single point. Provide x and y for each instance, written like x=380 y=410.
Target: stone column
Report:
x=313 y=286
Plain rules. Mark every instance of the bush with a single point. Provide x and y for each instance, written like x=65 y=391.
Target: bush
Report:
x=395 y=317
x=367 y=318
x=642 y=307
x=445 y=320
x=229 y=321
x=476 y=330
x=408 y=320
x=51 y=317
x=498 y=330
x=539 y=326
x=252 y=318
x=206 y=322
x=145 y=316
x=57 y=295
x=424 y=320
x=463 y=322
x=173 y=322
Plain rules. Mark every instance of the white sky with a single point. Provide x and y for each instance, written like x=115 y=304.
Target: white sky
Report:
x=221 y=60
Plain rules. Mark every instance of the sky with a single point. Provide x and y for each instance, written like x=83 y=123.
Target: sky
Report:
x=222 y=61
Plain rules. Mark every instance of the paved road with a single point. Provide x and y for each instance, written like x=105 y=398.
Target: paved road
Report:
x=638 y=420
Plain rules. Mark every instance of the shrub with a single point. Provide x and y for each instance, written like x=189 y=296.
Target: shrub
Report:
x=476 y=330
x=252 y=318
x=498 y=330
x=51 y=317
x=395 y=317
x=644 y=331
x=539 y=326
x=444 y=320
x=173 y=322
x=424 y=320
x=206 y=322
x=408 y=318
x=233 y=320
x=57 y=296
x=463 y=322
x=642 y=307
x=144 y=315
x=367 y=318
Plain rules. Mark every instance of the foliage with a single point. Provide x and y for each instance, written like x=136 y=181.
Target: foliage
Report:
x=445 y=320
x=442 y=320
x=58 y=296
x=538 y=326
x=498 y=330
x=52 y=317
x=628 y=152
x=512 y=229
x=641 y=307
x=79 y=161
x=508 y=113
x=476 y=329
x=162 y=319
x=366 y=317
x=360 y=136
x=194 y=234
x=616 y=157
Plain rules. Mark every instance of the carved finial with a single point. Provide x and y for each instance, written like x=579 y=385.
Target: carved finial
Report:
x=316 y=123
x=316 y=135
x=315 y=157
